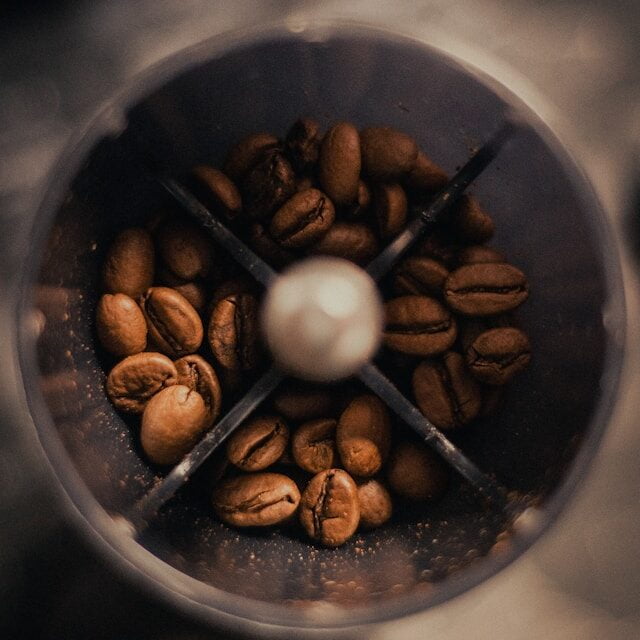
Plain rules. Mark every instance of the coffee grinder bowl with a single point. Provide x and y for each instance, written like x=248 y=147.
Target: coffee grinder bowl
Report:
x=549 y=223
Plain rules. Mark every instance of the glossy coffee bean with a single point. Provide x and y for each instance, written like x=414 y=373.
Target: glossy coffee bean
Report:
x=268 y=249
x=256 y=499
x=197 y=374
x=445 y=391
x=313 y=445
x=303 y=143
x=172 y=423
x=469 y=222
x=137 y=378
x=426 y=175
x=351 y=241
x=376 y=506
x=259 y=443
x=387 y=153
x=329 y=508
x=485 y=289
x=420 y=276
x=418 y=325
x=120 y=324
x=416 y=473
x=302 y=220
x=185 y=249
x=476 y=254
x=174 y=325
x=363 y=435
x=299 y=402
x=221 y=194
x=243 y=155
x=389 y=209
x=495 y=356
x=129 y=265
x=339 y=163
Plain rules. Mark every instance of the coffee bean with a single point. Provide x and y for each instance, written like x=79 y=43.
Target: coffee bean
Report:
x=495 y=356
x=360 y=208
x=233 y=332
x=351 y=241
x=137 y=378
x=339 y=163
x=485 y=289
x=232 y=286
x=329 y=508
x=194 y=291
x=256 y=500
x=426 y=175
x=476 y=254
x=416 y=473
x=120 y=325
x=303 y=143
x=420 y=276
x=197 y=374
x=314 y=445
x=268 y=249
x=418 y=325
x=299 y=402
x=387 y=153
x=305 y=182
x=375 y=502
x=174 y=325
x=258 y=443
x=302 y=220
x=363 y=435
x=389 y=209
x=468 y=222
x=469 y=328
x=129 y=264
x=172 y=423
x=440 y=246
x=221 y=194
x=246 y=153
x=445 y=392
x=185 y=249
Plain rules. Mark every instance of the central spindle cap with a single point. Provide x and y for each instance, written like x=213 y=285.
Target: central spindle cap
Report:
x=322 y=319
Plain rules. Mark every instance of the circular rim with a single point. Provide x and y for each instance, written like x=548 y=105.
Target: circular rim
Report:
x=207 y=603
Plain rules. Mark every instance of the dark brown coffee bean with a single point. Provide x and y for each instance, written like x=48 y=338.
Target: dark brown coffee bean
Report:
x=221 y=193
x=485 y=289
x=389 y=209
x=246 y=153
x=468 y=222
x=418 y=325
x=313 y=445
x=268 y=249
x=303 y=143
x=445 y=392
x=197 y=374
x=134 y=380
x=305 y=182
x=426 y=175
x=172 y=423
x=416 y=473
x=360 y=208
x=329 y=508
x=258 y=443
x=193 y=291
x=476 y=254
x=420 y=276
x=470 y=328
x=495 y=356
x=233 y=332
x=387 y=153
x=441 y=247
x=256 y=499
x=268 y=185
x=339 y=164
x=375 y=503
x=128 y=267
x=302 y=220
x=363 y=435
x=230 y=287
x=351 y=241
x=174 y=325
x=185 y=249
x=120 y=324
x=299 y=402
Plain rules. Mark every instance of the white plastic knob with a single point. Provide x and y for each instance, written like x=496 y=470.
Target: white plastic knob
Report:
x=322 y=319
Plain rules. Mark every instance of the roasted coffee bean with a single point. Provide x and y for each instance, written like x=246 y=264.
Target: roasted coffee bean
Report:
x=468 y=222
x=485 y=289
x=375 y=503
x=329 y=508
x=268 y=249
x=476 y=254
x=299 y=402
x=185 y=249
x=469 y=328
x=256 y=499
x=197 y=374
x=389 y=209
x=120 y=324
x=416 y=473
x=258 y=443
x=302 y=220
x=246 y=153
x=445 y=392
x=440 y=246
x=339 y=163
x=268 y=185
x=418 y=325
x=194 y=291
x=351 y=241
x=233 y=332
x=174 y=325
x=230 y=287
x=172 y=423
x=426 y=175
x=305 y=182
x=128 y=267
x=360 y=208
x=313 y=445
x=495 y=356
x=221 y=193
x=363 y=435
x=134 y=380
x=303 y=143
x=387 y=153
x=420 y=276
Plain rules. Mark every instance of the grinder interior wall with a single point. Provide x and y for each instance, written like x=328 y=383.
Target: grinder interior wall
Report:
x=543 y=226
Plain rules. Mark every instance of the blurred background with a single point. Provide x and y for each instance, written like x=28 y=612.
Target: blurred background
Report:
x=574 y=62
